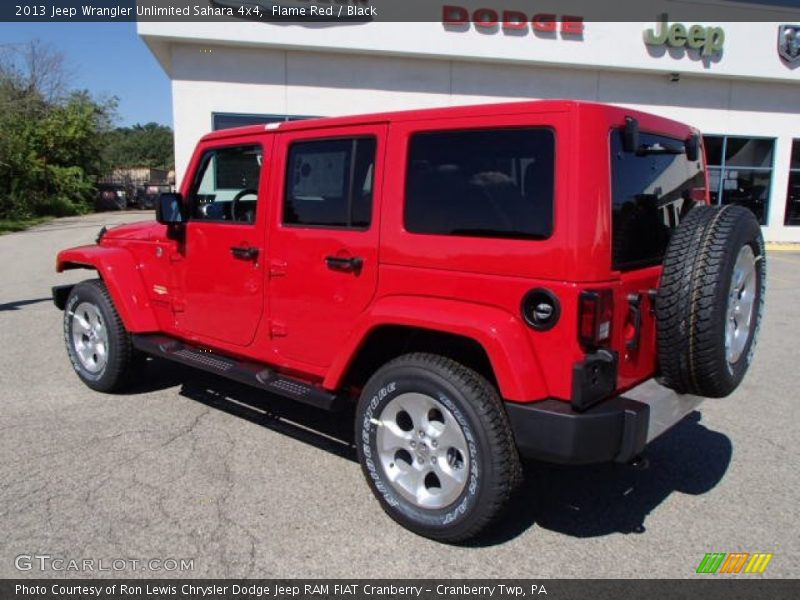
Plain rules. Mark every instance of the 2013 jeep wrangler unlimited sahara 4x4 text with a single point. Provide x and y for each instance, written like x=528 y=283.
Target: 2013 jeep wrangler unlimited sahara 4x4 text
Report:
x=542 y=279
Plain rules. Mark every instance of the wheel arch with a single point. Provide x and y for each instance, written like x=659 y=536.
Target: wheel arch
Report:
x=117 y=269
x=487 y=339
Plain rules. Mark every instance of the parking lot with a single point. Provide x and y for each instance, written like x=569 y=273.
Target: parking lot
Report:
x=187 y=466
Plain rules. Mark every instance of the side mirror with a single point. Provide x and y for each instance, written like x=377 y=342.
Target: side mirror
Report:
x=692 y=145
x=630 y=135
x=170 y=209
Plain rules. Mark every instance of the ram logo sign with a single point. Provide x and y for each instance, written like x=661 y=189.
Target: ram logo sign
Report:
x=789 y=42
x=735 y=562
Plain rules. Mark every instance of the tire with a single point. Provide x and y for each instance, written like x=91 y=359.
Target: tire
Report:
x=432 y=412
x=714 y=271
x=98 y=345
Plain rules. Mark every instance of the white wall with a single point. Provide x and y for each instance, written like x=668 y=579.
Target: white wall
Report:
x=749 y=49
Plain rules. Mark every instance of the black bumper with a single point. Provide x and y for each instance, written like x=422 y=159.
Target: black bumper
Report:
x=550 y=430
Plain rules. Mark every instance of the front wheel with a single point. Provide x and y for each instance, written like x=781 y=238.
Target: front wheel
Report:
x=98 y=344
x=436 y=447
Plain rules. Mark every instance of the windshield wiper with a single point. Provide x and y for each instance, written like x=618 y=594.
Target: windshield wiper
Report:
x=647 y=149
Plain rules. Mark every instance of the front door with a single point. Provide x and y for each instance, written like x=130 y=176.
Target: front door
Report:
x=324 y=249
x=221 y=267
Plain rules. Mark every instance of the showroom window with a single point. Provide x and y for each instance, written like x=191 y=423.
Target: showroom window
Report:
x=230 y=120
x=793 y=195
x=740 y=171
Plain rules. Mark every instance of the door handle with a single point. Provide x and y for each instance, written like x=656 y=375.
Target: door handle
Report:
x=244 y=252
x=346 y=264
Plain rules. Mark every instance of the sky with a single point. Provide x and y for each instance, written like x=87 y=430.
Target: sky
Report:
x=108 y=59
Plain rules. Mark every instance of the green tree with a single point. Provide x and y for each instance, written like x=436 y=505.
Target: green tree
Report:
x=149 y=145
x=51 y=139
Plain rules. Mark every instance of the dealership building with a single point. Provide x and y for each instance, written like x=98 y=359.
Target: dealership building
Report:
x=739 y=82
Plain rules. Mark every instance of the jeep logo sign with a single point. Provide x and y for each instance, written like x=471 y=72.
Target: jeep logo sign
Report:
x=709 y=40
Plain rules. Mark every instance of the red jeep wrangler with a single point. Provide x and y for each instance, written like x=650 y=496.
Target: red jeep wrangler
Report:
x=543 y=279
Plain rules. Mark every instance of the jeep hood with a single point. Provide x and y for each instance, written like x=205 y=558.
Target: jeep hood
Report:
x=144 y=231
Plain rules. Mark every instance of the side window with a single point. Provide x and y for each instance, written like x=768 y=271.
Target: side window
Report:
x=329 y=183
x=495 y=183
x=225 y=187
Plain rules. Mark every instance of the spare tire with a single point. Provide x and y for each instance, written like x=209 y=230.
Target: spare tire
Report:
x=709 y=302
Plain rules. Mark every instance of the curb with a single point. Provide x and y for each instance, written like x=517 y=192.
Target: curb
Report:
x=783 y=246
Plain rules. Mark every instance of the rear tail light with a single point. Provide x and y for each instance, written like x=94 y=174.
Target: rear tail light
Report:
x=595 y=313
x=698 y=194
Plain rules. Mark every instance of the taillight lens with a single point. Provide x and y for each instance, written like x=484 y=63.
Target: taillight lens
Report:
x=596 y=314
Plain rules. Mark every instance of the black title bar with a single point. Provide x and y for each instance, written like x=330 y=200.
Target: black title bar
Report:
x=711 y=588
x=390 y=10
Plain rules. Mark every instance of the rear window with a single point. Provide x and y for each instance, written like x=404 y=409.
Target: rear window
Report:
x=652 y=189
x=488 y=183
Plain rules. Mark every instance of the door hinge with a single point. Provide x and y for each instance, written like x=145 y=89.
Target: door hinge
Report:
x=277 y=329
x=277 y=268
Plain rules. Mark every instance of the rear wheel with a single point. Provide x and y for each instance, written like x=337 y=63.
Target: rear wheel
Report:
x=98 y=344
x=435 y=445
x=710 y=300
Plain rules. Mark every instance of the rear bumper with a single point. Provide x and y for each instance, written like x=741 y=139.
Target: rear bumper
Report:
x=615 y=430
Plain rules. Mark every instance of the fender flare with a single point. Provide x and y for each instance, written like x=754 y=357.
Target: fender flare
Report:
x=501 y=335
x=120 y=273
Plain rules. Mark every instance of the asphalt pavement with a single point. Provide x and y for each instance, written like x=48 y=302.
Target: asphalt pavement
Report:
x=242 y=484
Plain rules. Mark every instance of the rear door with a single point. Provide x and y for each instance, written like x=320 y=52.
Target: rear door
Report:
x=652 y=189
x=324 y=248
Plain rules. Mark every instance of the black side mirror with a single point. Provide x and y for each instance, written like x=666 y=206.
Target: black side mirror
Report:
x=170 y=209
x=692 y=145
x=630 y=135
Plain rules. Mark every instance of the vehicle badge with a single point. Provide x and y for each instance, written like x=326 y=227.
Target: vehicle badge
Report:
x=789 y=42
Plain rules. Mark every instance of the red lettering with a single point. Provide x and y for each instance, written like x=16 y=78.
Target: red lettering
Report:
x=544 y=22
x=454 y=15
x=513 y=19
x=485 y=17
x=572 y=25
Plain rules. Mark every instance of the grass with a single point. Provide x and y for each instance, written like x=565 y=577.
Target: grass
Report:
x=11 y=225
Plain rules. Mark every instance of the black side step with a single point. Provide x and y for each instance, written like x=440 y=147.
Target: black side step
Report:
x=249 y=373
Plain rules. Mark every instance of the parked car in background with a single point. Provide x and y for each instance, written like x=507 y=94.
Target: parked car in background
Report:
x=111 y=196
x=146 y=196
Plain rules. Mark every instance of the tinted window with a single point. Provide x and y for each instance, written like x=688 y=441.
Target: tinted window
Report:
x=795 y=164
x=713 y=144
x=329 y=183
x=792 y=215
x=491 y=183
x=749 y=152
x=225 y=187
x=651 y=191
